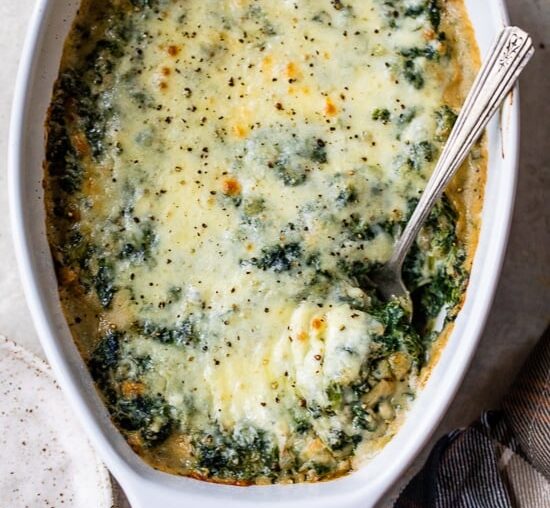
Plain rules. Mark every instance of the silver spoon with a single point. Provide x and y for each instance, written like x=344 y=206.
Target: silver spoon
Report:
x=505 y=62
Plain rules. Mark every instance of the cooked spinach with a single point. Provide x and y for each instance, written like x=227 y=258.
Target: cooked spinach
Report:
x=290 y=171
x=347 y=196
x=104 y=283
x=358 y=228
x=138 y=244
x=182 y=333
x=362 y=419
x=429 y=51
x=434 y=14
x=266 y=27
x=64 y=163
x=76 y=250
x=105 y=357
x=406 y=117
x=338 y=440
x=317 y=151
x=398 y=334
x=358 y=270
x=243 y=455
x=253 y=207
x=421 y=153
x=302 y=424
x=150 y=416
x=430 y=8
x=335 y=396
x=413 y=74
x=296 y=159
x=445 y=119
x=443 y=289
x=381 y=114
x=435 y=284
x=279 y=258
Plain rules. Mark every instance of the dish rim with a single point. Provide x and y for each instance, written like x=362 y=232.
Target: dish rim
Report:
x=140 y=480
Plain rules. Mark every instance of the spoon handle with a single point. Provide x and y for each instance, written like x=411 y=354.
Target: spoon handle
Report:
x=505 y=62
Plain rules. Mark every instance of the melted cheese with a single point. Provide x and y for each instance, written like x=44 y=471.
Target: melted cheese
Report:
x=251 y=153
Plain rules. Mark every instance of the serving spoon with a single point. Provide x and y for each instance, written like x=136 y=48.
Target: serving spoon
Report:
x=506 y=60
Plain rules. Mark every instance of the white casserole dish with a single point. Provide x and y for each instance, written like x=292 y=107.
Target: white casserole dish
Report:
x=144 y=486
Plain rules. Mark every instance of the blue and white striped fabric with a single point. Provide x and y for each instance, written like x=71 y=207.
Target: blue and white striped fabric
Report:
x=502 y=460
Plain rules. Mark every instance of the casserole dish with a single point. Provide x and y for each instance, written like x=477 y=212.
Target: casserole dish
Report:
x=144 y=485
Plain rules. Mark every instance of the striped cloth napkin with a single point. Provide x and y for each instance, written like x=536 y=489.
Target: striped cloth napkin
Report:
x=502 y=460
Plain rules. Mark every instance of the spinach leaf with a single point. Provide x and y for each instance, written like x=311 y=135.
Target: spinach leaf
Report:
x=104 y=283
x=279 y=258
x=150 y=416
x=183 y=333
x=242 y=455
x=413 y=75
x=445 y=119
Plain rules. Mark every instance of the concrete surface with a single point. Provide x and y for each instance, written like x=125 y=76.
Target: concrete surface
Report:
x=521 y=310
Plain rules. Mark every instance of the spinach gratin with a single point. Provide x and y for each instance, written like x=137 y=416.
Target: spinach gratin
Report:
x=221 y=177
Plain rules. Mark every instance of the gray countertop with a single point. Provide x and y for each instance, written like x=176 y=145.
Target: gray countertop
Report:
x=521 y=310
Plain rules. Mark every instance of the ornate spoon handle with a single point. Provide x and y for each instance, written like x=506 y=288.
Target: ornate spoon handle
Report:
x=507 y=58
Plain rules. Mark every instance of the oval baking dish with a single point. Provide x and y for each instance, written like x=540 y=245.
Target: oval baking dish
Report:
x=145 y=486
